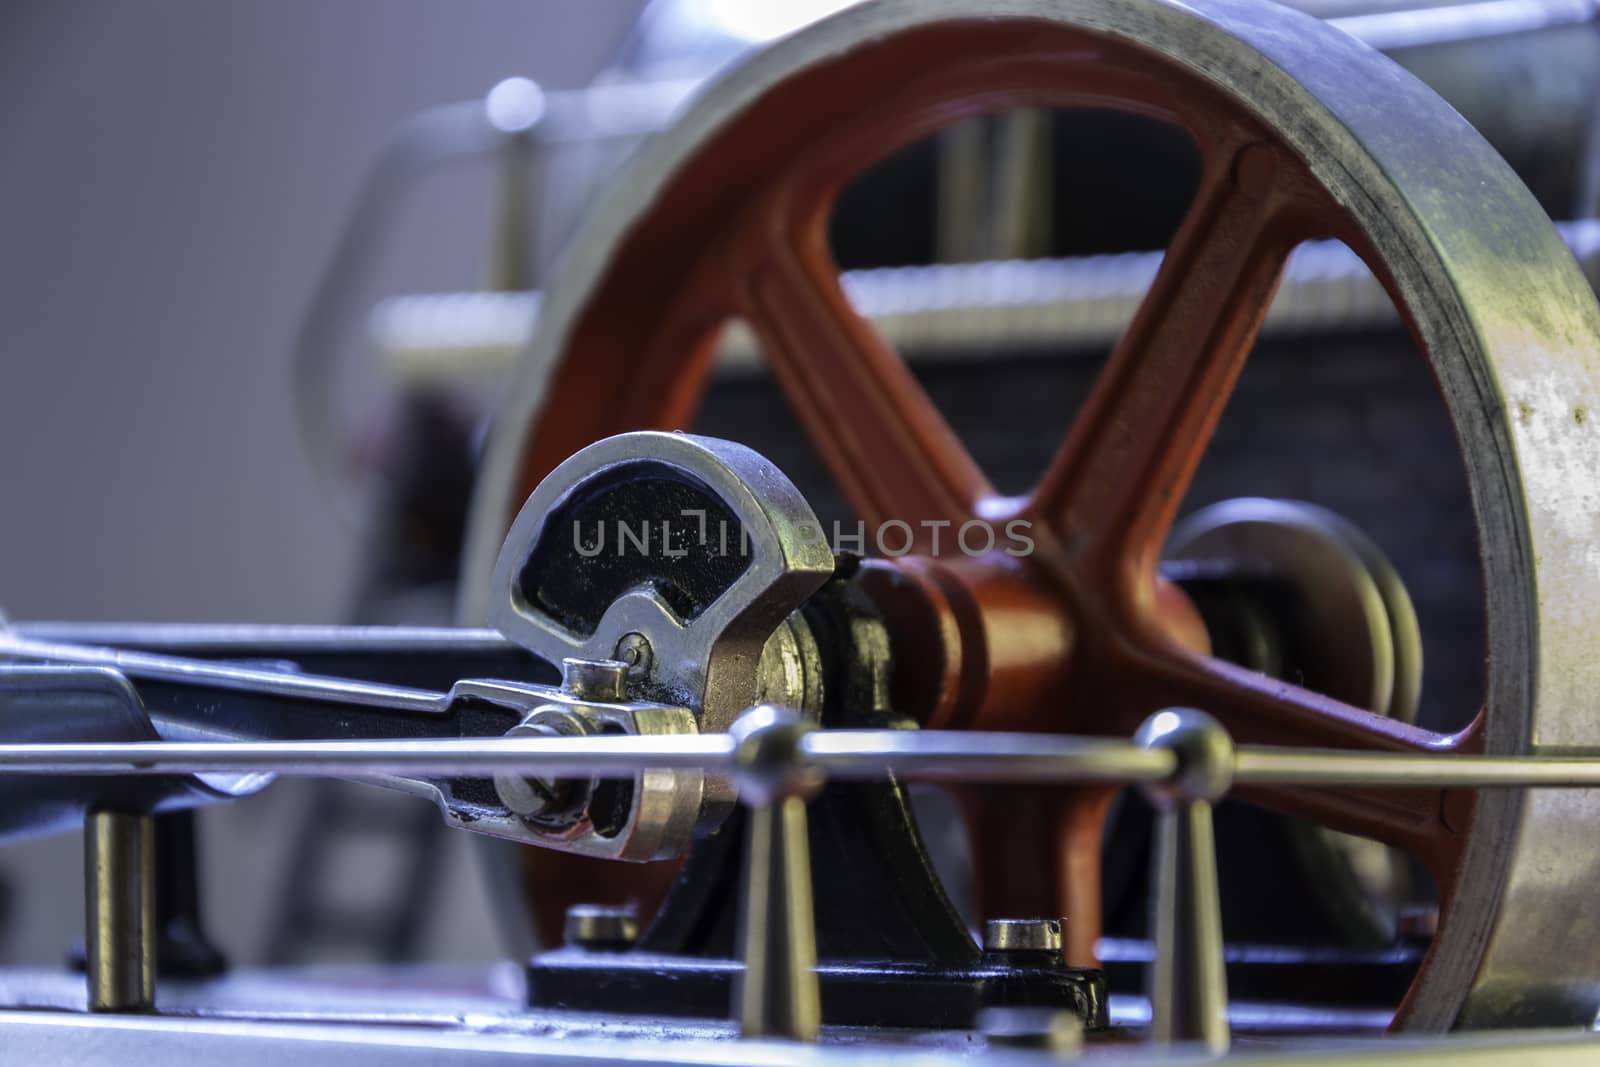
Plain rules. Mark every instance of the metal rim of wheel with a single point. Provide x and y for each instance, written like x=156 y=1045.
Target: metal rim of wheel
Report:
x=1303 y=132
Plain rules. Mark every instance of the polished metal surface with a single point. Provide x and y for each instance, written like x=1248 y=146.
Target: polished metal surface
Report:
x=790 y=671
x=1022 y=935
x=599 y=755
x=777 y=993
x=713 y=659
x=119 y=874
x=927 y=755
x=601 y=927
x=324 y=1023
x=557 y=809
x=717 y=663
x=242 y=639
x=530 y=795
x=1285 y=767
x=960 y=755
x=595 y=679
x=858 y=754
x=1186 y=981
x=558 y=804
x=1489 y=289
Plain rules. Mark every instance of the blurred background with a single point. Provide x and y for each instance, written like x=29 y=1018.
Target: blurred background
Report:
x=173 y=174
x=193 y=191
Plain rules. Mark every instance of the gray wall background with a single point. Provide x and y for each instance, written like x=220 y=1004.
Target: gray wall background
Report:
x=172 y=176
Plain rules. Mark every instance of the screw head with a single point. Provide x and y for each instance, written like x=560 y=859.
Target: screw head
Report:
x=601 y=680
x=1204 y=752
x=634 y=650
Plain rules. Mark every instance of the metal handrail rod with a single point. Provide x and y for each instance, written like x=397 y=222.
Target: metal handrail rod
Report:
x=601 y=756
x=1262 y=765
x=847 y=754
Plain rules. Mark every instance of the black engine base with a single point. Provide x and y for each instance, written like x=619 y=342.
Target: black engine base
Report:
x=854 y=993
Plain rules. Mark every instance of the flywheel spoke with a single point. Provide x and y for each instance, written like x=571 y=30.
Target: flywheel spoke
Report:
x=1116 y=483
x=1260 y=710
x=883 y=440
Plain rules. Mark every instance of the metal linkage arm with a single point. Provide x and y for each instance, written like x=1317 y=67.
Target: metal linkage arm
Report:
x=374 y=681
x=299 y=685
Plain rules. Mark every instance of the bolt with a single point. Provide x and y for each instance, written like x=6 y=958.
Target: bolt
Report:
x=603 y=680
x=539 y=796
x=1055 y=1030
x=635 y=651
x=1022 y=935
x=601 y=927
x=530 y=796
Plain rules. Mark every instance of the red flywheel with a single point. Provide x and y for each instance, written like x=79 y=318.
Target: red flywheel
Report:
x=1302 y=133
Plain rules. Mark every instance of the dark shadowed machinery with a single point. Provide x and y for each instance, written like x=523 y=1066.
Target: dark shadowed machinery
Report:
x=1030 y=529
